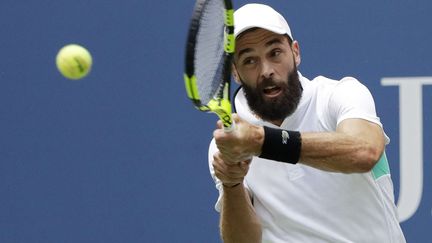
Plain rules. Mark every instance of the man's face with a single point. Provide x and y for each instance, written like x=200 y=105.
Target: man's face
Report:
x=266 y=66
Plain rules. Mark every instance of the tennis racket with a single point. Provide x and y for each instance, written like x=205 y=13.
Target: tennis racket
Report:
x=209 y=50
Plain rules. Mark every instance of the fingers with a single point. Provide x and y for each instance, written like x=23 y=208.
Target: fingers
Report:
x=228 y=178
x=219 y=124
x=236 y=118
x=233 y=157
x=219 y=133
x=227 y=172
x=235 y=146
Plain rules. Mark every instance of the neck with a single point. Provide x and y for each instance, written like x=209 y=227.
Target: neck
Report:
x=276 y=122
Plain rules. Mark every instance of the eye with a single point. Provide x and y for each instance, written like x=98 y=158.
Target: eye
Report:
x=275 y=52
x=248 y=61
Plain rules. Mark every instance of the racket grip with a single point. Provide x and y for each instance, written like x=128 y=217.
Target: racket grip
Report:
x=230 y=128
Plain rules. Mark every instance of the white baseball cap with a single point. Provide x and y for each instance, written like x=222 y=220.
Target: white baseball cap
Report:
x=255 y=15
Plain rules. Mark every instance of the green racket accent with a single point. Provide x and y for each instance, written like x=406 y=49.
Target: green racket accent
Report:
x=192 y=92
x=229 y=44
x=229 y=17
x=190 y=84
x=191 y=87
x=222 y=108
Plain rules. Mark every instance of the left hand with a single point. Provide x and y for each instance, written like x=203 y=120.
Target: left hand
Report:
x=229 y=173
x=240 y=144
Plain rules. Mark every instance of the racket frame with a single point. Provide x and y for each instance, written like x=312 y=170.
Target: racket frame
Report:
x=220 y=104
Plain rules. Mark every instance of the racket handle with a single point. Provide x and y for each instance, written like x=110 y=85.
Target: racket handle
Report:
x=225 y=116
x=230 y=128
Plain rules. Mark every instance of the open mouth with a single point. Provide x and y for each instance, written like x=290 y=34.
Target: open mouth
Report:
x=272 y=91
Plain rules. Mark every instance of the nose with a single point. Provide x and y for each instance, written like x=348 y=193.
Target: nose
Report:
x=267 y=70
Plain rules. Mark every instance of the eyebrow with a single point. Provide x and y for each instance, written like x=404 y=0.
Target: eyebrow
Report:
x=273 y=41
x=276 y=40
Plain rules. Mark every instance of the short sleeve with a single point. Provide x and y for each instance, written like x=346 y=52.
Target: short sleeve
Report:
x=351 y=99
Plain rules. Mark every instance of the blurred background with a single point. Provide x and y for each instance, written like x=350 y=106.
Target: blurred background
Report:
x=121 y=155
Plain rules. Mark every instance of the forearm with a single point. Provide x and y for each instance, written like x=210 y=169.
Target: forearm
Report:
x=354 y=147
x=338 y=152
x=239 y=222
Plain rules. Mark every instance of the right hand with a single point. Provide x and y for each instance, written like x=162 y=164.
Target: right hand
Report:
x=241 y=144
x=230 y=173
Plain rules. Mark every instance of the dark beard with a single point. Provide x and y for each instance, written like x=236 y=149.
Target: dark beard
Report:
x=277 y=108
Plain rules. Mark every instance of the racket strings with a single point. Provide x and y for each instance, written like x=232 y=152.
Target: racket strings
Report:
x=209 y=58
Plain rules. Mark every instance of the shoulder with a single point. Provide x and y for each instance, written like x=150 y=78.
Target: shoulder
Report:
x=350 y=83
x=334 y=90
x=345 y=82
x=341 y=99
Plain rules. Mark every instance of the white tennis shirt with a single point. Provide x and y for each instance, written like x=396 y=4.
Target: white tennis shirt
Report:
x=298 y=203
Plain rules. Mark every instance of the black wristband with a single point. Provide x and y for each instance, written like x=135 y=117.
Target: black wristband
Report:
x=281 y=145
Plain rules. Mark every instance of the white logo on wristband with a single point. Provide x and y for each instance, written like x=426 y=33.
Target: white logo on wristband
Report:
x=285 y=137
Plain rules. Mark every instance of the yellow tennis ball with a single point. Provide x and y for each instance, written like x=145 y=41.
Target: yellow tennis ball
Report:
x=74 y=61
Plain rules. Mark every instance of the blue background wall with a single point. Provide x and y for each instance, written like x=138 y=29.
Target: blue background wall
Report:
x=120 y=156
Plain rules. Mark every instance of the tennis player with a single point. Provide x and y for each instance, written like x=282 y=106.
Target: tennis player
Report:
x=307 y=160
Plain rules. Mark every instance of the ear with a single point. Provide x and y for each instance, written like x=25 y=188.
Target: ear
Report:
x=235 y=74
x=296 y=50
